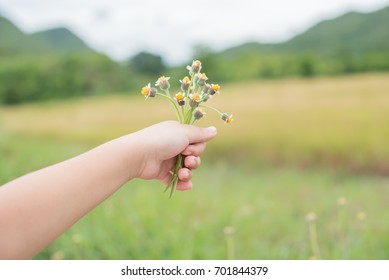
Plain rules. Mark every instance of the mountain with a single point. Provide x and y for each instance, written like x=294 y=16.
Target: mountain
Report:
x=353 y=32
x=353 y=42
x=54 y=64
x=58 y=40
x=12 y=39
x=61 y=39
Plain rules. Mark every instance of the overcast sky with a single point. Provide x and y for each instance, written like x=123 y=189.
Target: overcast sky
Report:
x=172 y=27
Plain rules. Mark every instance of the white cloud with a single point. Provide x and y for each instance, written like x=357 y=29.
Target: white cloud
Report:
x=172 y=27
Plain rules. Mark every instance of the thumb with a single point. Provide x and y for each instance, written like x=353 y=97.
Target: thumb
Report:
x=199 y=134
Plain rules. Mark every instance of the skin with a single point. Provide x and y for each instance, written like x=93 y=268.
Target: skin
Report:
x=38 y=207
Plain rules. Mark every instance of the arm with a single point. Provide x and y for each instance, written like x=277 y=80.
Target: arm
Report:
x=36 y=208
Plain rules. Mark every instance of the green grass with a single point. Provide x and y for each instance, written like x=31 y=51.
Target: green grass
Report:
x=330 y=127
x=266 y=207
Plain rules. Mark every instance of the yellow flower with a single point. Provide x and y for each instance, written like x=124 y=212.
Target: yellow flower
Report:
x=214 y=89
x=185 y=80
x=185 y=83
x=227 y=118
x=145 y=91
x=180 y=98
x=148 y=91
x=195 y=99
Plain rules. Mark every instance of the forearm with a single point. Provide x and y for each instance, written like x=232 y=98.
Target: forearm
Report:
x=37 y=208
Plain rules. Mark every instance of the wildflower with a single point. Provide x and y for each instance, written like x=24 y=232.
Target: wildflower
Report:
x=195 y=68
x=195 y=99
x=198 y=114
x=200 y=78
x=148 y=91
x=185 y=83
x=194 y=90
x=59 y=255
x=214 y=89
x=361 y=216
x=180 y=98
x=76 y=238
x=163 y=82
x=341 y=201
x=229 y=231
x=227 y=118
x=311 y=217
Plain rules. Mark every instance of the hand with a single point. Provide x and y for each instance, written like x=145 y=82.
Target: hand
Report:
x=163 y=142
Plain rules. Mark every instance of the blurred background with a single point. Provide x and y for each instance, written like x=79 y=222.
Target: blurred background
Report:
x=301 y=173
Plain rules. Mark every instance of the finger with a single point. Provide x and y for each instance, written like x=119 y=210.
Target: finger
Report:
x=184 y=186
x=184 y=174
x=199 y=134
x=194 y=149
x=192 y=162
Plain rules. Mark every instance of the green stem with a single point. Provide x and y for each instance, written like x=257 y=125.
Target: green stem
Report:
x=168 y=93
x=189 y=115
x=212 y=108
x=183 y=111
x=171 y=100
x=174 y=179
x=230 y=248
x=313 y=240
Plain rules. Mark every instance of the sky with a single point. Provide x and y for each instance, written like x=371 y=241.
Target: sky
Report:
x=173 y=28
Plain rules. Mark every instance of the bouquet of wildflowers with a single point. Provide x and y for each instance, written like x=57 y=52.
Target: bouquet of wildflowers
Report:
x=188 y=104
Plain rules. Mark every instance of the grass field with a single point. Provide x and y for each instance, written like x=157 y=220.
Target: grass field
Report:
x=296 y=146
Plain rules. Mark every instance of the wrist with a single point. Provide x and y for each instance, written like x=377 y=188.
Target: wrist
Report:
x=134 y=154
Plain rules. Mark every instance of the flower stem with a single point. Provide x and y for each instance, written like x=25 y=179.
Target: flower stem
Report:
x=179 y=116
x=313 y=240
x=212 y=108
x=174 y=179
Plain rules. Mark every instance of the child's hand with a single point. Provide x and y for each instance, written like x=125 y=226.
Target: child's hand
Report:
x=36 y=208
x=163 y=142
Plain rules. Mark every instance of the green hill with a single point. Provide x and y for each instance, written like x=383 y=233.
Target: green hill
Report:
x=59 y=40
x=354 y=42
x=13 y=41
x=54 y=64
x=355 y=32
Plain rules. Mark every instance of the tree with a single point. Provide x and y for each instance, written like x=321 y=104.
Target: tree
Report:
x=147 y=63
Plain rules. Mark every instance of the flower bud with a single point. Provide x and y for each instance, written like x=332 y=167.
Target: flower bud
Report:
x=195 y=68
x=198 y=114
x=195 y=99
x=153 y=92
x=206 y=87
x=185 y=83
x=163 y=82
x=200 y=78
x=227 y=118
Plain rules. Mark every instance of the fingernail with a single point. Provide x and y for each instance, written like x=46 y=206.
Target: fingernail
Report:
x=212 y=130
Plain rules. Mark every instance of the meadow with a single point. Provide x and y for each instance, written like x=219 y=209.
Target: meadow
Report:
x=296 y=147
